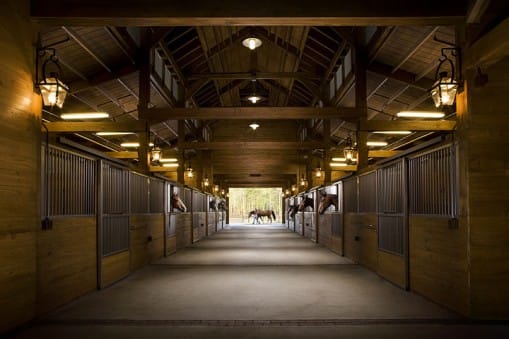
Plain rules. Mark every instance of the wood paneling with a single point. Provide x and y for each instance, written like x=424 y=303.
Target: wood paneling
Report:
x=392 y=268
x=20 y=147
x=325 y=227
x=361 y=241
x=114 y=268
x=199 y=226
x=438 y=262
x=485 y=182
x=17 y=278
x=146 y=239
x=66 y=262
x=171 y=245
x=183 y=229
x=336 y=245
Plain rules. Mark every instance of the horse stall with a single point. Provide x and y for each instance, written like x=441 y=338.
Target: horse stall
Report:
x=199 y=215
x=299 y=217
x=170 y=244
x=211 y=215
x=146 y=223
x=309 y=217
x=289 y=203
x=330 y=218
x=181 y=219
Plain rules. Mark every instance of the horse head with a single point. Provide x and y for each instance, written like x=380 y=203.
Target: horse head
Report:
x=177 y=203
x=221 y=205
x=213 y=204
x=326 y=200
x=292 y=209
x=305 y=202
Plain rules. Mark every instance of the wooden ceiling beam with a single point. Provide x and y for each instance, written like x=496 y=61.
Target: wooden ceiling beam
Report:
x=156 y=115
x=234 y=12
x=400 y=75
x=255 y=75
x=245 y=145
x=382 y=153
x=107 y=126
x=407 y=125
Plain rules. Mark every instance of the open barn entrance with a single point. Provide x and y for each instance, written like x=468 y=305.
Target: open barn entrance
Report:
x=244 y=200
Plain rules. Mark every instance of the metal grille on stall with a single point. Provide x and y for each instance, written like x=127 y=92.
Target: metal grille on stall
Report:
x=139 y=193
x=432 y=182
x=391 y=208
x=367 y=193
x=156 y=194
x=114 y=226
x=69 y=182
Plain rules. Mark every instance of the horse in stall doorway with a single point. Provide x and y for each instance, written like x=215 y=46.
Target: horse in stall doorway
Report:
x=326 y=200
x=177 y=203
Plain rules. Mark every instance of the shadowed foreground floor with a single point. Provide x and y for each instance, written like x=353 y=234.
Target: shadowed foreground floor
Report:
x=256 y=282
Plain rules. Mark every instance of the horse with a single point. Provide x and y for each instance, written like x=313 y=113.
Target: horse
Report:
x=306 y=202
x=217 y=204
x=177 y=203
x=327 y=200
x=292 y=209
x=257 y=214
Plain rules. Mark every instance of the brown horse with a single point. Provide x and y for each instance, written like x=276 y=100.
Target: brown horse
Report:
x=257 y=214
x=306 y=202
x=292 y=209
x=327 y=200
x=177 y=203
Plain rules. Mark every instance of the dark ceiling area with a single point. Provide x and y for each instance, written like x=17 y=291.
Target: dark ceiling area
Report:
x=201 y=75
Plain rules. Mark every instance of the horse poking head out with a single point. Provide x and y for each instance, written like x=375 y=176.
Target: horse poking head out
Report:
x=217 y=204
x=177 y=203
x=306 y=202
x=327 y=200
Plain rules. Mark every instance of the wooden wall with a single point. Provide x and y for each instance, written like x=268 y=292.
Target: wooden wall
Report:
x=146 y=239
x=114 y=268
x=199 y=222
x=484 y=126
x=211 y=223
x=66 y=262
x=439 y=262
x=20 y=142
x=183 y=229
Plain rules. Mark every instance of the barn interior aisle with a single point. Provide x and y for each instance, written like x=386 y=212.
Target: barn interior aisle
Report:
x=251 y=281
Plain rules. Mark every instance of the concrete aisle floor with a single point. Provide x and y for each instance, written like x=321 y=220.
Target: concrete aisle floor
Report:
x=256 y=282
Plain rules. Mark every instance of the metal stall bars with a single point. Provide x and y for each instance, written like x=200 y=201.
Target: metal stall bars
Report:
x=68 y=184
x=392 y=212
x=112 y=214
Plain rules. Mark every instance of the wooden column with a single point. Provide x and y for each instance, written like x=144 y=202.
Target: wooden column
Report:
x=483 y=125
x=361 y=102
x=144 y=95
x=180 y=141
x=326 y=158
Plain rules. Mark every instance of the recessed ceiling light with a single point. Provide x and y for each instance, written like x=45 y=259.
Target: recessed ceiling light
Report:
x=420 y=114
x=113 y=133
x=393 y=132
x=84 y=115
x=376 y=143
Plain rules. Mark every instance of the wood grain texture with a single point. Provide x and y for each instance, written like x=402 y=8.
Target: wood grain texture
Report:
x=171 y=245
x=183 y=229
x=438 y=262
x=66 y=262
x=392 y=268
x=20 y=147
x=114 y=268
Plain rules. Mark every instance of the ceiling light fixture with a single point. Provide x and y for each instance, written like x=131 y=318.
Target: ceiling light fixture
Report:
x=254 y=126
x=84 y=115
x=420 y=114
x=51 y=88
x=252 y=43
x=445 y=87
x=393 y=132
x=155 y=155
x=133 y=144
x=339 y=164
x=376 y=143
x=338 y=159
x=168 y=160
x=350 y=151
x=104 y=134
x=171 y=165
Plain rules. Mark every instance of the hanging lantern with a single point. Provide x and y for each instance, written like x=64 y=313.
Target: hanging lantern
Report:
x=155 y=155
x=52 y=89
x=445 y=87
x=350 y=151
